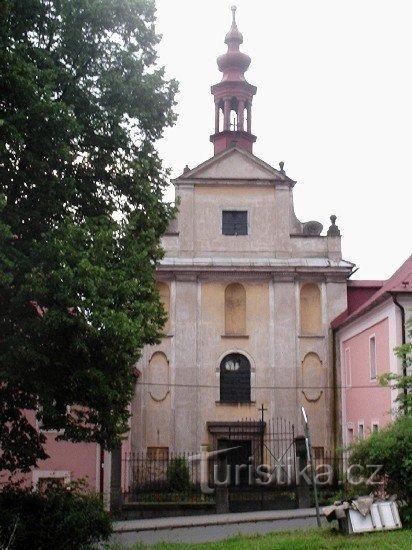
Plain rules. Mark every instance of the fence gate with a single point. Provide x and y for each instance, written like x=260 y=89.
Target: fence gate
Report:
x=261 y=463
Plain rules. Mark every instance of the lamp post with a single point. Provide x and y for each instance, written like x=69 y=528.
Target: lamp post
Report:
x=310 y=459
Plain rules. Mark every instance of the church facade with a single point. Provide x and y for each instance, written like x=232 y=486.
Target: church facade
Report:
x=250 y=292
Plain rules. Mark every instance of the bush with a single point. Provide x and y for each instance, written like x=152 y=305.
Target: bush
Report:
x=391 y=448
x=178 y=475
x=60 y=518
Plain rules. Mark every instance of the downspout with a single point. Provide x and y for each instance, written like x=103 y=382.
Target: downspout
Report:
x=101 y=478
x=336 y=420
x=403 y=333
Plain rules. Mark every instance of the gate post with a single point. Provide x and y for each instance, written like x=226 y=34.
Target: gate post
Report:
x=302 y=487
x=116 y=481
x=222 y=491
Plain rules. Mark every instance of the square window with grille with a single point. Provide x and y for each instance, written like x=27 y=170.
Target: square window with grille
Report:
x=318 y=453
x=46 y=483
x=157 y=453
x=234 y=222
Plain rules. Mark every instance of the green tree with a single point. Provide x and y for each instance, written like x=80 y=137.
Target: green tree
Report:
x=82 y=103
x=178 y=474
x=391 y=448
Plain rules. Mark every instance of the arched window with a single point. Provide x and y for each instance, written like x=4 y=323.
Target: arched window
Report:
x=164 y=292
x=235 y=379
x=235 y=309
x=310 y=310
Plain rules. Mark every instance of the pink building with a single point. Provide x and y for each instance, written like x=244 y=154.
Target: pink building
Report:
x=68 y=462
x=366 y=335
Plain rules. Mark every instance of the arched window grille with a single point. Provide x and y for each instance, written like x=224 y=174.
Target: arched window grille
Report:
x=235 y=379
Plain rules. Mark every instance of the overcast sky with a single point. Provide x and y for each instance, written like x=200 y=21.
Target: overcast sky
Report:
x=334 y=102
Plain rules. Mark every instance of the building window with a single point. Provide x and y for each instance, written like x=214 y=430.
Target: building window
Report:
x=348 y=374
x=235 y=309
x=41 y=425
x=318 y=453
x=44 y=479
x=234 y=222
x=235 y=379
x=375 y=427
x=361 y=430
x=372 y=357
x=310 y=310
x=350 y=436
x=157 y=453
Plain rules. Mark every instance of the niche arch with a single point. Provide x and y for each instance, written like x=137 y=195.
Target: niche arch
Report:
x=164 y=292
x=158 y=376
x=310 y=310
x=235 y=309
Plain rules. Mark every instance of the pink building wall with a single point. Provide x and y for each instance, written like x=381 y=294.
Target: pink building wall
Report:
x=378 y=310
x=365 y=401
x=80 y=459
x=71 y=461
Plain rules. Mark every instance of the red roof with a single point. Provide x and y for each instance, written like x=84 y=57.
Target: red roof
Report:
x=400 y=282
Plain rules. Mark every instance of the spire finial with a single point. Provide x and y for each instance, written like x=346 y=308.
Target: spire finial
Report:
x=233 y=8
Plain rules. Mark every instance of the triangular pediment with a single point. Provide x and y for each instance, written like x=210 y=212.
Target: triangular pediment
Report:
x=234 y=164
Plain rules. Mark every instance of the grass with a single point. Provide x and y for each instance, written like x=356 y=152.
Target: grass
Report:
x=298 y=540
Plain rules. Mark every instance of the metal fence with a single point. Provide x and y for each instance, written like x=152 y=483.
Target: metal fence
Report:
x=165 y=477
x=252 y=451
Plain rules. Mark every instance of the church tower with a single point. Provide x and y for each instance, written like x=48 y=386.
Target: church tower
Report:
x=233 y=97
x=250 y=291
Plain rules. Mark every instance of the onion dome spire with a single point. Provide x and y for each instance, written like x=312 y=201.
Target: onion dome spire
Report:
x=233 y=96
x=233 y=63
x=233 y=36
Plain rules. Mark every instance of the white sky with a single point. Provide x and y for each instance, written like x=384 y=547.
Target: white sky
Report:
x=334 y=102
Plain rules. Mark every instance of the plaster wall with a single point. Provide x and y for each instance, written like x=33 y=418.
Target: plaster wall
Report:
x=366 y=402
x=270 y=224
x=273 y=344
x=371 y=403
x=196 y=344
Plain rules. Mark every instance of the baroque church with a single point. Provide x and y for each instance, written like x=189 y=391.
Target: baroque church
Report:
x=250 y=293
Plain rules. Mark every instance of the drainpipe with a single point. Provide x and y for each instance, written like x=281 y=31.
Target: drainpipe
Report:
x=335 y=392
x=101 y=479
x=403 y=321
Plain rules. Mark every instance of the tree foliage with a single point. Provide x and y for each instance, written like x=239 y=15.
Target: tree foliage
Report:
x=391 y=448
x=60 y=517
x=178 y=474
x=82 y=103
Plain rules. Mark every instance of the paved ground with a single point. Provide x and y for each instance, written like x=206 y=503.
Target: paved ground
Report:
x=212 y=527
